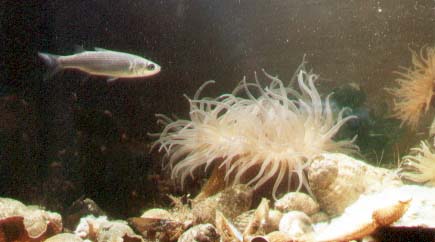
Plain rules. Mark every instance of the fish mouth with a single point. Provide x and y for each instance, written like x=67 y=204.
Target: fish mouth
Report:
x=156 y=71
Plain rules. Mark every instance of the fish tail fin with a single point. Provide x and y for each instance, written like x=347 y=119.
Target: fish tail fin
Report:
x=52 y=62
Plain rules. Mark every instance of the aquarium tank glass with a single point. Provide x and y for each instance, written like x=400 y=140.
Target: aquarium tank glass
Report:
x=206 y=120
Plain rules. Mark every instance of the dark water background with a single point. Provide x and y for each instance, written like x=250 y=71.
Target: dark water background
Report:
x=69 y=137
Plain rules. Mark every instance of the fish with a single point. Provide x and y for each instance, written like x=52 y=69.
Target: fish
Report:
x=102 y=62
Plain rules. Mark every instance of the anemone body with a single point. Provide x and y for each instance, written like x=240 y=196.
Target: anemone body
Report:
x=277 y=132
x=419 y=167
x=415 y=89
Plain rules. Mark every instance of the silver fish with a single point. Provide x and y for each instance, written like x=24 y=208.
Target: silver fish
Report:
x=102 y=62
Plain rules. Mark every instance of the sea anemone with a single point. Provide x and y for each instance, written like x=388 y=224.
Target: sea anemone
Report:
x=278 y=132
x=420 y=166
x=416 y=87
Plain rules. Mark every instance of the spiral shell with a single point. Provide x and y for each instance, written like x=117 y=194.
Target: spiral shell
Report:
x=338 y=180
x=297 y=201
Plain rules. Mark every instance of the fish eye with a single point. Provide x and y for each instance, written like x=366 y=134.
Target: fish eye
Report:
x=151 y=67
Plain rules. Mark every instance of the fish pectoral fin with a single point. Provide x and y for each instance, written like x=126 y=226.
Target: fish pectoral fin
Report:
x=112 y=79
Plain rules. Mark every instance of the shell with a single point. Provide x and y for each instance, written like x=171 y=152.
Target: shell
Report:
x=226 y=230
x=259 y=220
x=201 y=232
x=297 y=201
x=276 y=236
x=421 y=211
x=88 y=226
x=27 y=222
x=117 y=231
x=275 y=217
x=319 y=217
x=64 y=237
x=231 y=202
x=297 y=225
x=101 y=229
x=157 y=213
x=338 y=180
x=268 y=221
x=159 y=228
x=367 y=214
x=241 y=221
x=161 y=224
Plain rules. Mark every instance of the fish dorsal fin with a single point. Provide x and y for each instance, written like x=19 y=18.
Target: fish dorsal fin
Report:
x=101 y=49
x=79 y=49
